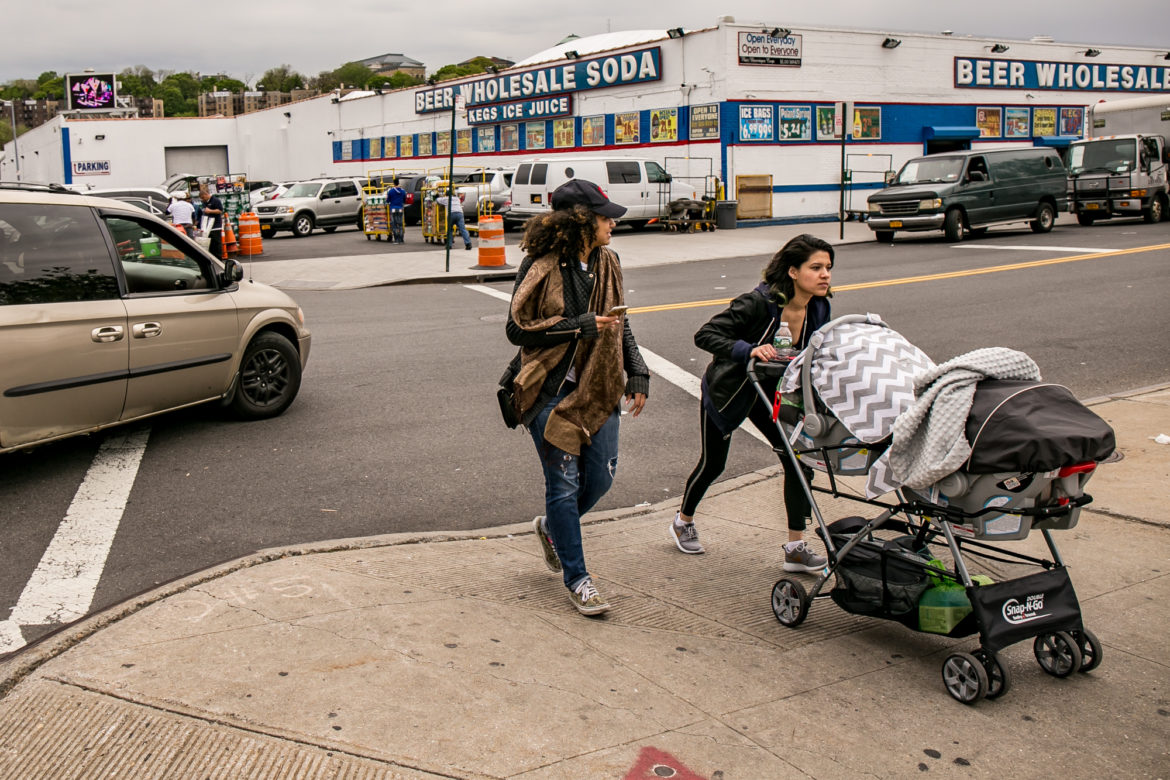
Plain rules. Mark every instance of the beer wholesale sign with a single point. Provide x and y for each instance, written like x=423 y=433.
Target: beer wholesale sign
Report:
x=980 y=73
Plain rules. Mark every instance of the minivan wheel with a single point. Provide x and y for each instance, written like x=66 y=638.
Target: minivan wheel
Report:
x=1045 y=218
x=302 y=225
x=1155 y=211
x=268 y=379
x=953 y=225
x=884 y=236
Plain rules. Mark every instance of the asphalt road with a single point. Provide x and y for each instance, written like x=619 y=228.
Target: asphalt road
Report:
x=396 y=427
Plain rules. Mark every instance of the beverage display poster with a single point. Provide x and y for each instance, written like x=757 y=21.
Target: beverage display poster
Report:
x=989 y=121
x=563 y=133
x=794 y=123
x=390 y=146
x=827 y=125
x=867 y=123
x=1044 y=121
x=756 y=123
x=1072 y=121
x=534 y=135
x=1017 y=123
x=704 y=122
x=406 y=146
x=443 y=142
x=425 y=145
x=463 y=141
x=375 y=148
x=347 y=150
x=664 y=124
x=593 y=131
x=487 y=139
x=625 y=128
x=509 y=138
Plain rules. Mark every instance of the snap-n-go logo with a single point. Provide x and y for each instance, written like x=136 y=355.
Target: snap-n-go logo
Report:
x=1030 y=609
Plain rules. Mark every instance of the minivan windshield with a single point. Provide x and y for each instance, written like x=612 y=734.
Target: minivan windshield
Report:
x=1118 y=155
x=928 y=170
x=304 y=189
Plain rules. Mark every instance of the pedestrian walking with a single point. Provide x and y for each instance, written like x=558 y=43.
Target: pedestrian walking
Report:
x=454 y=205
x=212 y=206
x=795 y=290
x=182 y=213
x=578 y=359
x=396 y=203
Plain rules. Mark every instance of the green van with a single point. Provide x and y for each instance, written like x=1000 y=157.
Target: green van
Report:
x=969 y=191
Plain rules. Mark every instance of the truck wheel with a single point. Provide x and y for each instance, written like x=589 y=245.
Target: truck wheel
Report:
x=884 y=236
x=302 y=225
x=1084 y=219
x=953 y=225
x=1155 y=211
x=1045 y=219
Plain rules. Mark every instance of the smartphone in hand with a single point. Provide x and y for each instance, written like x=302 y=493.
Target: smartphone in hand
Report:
x=617 y=311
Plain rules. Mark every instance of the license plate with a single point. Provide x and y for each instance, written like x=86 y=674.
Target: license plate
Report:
x=895 y=223
x=1092 y=205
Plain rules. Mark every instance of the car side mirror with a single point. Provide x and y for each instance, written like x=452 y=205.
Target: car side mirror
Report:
x=889 y=177
x=232 y=272
x=977 y=176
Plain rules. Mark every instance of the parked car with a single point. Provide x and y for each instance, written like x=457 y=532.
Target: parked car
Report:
x=109 y=315
x=642 y=186
x=970 y=191
x=156 y=196
x=494 y=185
x=316 y=203
x=271 y=192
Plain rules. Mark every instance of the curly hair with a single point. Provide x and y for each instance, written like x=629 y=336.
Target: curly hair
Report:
x=793 y=254
x=564 y=233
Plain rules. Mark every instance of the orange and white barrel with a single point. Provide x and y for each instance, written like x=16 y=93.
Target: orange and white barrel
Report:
x=491 y=240
x=250 y=242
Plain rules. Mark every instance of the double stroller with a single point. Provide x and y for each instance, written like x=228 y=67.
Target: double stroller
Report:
x=974 y=452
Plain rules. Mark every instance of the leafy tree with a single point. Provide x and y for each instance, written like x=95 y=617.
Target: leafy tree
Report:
x=48 y=75
x=187 y=83
x=473 y=66
x=282 y=79
x=52 y=89
x=174 y=103
x=138 y=82
x=353 y=74
x=221 y=83
x=325 y=81
x=400 y=79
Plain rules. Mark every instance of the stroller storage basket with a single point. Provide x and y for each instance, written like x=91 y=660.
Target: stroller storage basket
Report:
x=878 y=577
x=1026 y=607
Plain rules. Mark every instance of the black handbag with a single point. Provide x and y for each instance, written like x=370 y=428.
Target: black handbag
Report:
x=506 y=395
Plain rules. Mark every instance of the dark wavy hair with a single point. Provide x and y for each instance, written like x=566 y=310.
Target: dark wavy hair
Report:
x=794 y=254
x=564 y=233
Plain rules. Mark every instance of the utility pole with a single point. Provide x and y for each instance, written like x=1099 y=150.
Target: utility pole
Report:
x=15 y=149
x=455 y=104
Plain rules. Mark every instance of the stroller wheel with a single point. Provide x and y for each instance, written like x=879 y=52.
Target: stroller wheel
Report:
x=964 y=677
x=1090 y=648
x=998 y=679
x=1058 y=654
x=789 y=603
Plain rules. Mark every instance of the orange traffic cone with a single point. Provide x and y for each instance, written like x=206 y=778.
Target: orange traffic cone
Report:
x=230 y=247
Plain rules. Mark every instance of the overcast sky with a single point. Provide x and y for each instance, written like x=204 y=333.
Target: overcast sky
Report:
x=243 y=39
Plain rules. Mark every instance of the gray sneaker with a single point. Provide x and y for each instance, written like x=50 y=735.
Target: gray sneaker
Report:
x=686 y=536
x=547 y=551
x=586 y=598
x=802 y=558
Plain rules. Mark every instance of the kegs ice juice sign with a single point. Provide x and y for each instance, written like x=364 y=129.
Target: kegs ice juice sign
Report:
x=980 y=73
x=530 y=86
x=761 y=48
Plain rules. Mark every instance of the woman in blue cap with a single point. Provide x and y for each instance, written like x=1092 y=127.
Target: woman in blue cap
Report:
x=578 y=358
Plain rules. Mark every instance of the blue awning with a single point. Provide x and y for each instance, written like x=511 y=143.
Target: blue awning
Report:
x=954 y=132
x=1059 y=141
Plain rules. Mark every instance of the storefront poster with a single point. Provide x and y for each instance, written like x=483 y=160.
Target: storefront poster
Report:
x=1016 y=123
x=827 y=124
x=704 y=122
x=406 y=146
x=1044 y=121
x=867 y=123
x=463 y=141
x=443 y=142
x=763 y=48
x=425 y=146
x=989 y=121
x=593 y=131
x=756 y=123
x=487 y=140
x=625 y=128
x=563 y=133
x=534 y=135
x=509 y=138
x=663 y=124
x=1072 y=121
x=795 y=123
x=376 y=148
x=390 y=146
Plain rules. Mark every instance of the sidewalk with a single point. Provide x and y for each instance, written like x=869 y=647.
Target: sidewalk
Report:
x=459 y=656
x=637 y=250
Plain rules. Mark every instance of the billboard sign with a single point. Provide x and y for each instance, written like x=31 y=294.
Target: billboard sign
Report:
x=90 y=91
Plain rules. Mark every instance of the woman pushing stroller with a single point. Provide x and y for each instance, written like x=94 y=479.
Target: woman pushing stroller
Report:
x=795 y=290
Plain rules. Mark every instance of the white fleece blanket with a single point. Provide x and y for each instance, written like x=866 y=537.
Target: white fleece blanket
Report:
x=929 y=439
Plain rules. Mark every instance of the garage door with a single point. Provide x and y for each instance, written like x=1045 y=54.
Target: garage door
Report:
x=199 y=160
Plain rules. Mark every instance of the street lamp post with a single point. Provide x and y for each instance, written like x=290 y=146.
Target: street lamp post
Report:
x=15 y=149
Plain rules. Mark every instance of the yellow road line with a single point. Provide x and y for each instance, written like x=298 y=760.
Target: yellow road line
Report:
x=926 y=278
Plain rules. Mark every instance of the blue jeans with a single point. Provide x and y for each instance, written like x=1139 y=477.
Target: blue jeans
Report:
x=455 y=220
x=397 y=232
x=573 y=484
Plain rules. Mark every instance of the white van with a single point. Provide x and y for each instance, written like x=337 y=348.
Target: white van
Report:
x=642 y=186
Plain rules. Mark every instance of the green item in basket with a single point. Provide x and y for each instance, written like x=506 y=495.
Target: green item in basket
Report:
x=150 y=247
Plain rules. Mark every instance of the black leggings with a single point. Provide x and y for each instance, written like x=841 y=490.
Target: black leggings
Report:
x=713 y=460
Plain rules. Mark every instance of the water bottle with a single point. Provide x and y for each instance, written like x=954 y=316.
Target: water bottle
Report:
x=782 y=342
